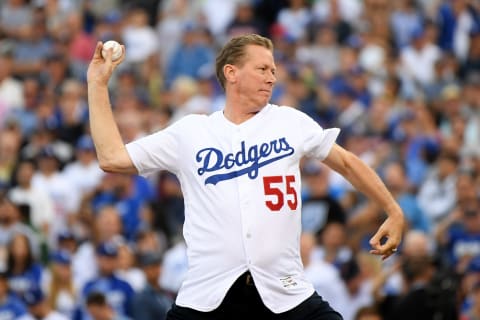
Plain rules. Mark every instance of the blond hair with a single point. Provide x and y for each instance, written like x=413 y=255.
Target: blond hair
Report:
x=234 y=52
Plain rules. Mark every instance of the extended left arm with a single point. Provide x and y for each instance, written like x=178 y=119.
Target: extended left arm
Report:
x=365 y=180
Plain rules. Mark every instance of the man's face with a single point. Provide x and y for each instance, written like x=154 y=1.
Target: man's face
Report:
x=106 y=264
x=25 y=173
x=99 y=312
x=8 y=213
x=254 y=80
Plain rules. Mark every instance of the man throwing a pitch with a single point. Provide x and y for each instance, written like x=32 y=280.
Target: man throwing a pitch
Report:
x=240 y=177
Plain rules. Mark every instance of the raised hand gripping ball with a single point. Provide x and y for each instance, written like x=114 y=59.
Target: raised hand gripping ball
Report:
x=116 y=49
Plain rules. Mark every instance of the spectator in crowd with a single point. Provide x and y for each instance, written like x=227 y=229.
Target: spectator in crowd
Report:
x=11 y=89
x=11 y=307
x=245 y=20
x=216 y=14
x=358 y=291
x=397 y=183
x=40 y=207
x=26 y=116
x=418 y=59
x=11 y=225
x=55 y=71
x=319 y=207
x=100 y=309
x=32 y=48
x=128 y=194
x=368 y=313
x=84 y=173
x=185 y=99
x=58 y=283
x=45 y=136
x=15 y=16
x=333 y=244
x=10 y=140
x=422 y=300
x=118 y=292
x=295 y=18
x=437 y=195
x=456 y=20
x=322 y=52
x=107 y=228
x=39 y=307
x=418 y=285
x=459 y=234
x=139 y=37
x=405 y=19
x=149 y=240
x=175 y=266
x=171 y=202
x=80 y=40
x=324 y=276
x=191 y=54
x=472 y=61
x=173 y=15
x=128 y=269
x=473 y=312
x=152 y=302
x=71 y=111
x=23 y=268
x=50 y=178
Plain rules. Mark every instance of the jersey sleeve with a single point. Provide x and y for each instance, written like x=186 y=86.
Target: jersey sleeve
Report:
x=317 y=142
x=158 y=151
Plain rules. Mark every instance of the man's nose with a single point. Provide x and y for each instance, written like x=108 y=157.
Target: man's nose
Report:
x=271 y=78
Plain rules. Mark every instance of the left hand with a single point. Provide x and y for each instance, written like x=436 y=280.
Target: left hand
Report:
x=391 y=229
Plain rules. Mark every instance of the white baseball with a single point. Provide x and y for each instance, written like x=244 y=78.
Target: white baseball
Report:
x=116 y=47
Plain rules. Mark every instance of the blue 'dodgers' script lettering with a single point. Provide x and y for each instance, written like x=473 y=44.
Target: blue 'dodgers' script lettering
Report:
x=245 y=161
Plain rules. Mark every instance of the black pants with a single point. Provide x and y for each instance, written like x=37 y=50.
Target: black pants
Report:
x=243 y=302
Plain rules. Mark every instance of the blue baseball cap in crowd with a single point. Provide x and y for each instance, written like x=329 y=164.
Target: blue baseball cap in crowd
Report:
x=418 y=32
x=107 y=249
x=33 y=296
x=66 y=235
x=47 y=151
x=61 y=257
x=112 y=17
x=85 y=143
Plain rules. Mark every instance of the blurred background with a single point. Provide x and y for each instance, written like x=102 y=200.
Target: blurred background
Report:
x=400 y=78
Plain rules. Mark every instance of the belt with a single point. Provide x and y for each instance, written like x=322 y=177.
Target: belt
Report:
x=249 y=279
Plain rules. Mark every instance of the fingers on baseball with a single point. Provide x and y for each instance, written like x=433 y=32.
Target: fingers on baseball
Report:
x=122 y=57
x=97 y=54
x=109 y=55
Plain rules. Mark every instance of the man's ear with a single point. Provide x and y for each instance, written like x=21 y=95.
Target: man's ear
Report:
x=230 y=72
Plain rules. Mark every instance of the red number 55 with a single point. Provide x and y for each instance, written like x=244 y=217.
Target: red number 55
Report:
x=273 y=186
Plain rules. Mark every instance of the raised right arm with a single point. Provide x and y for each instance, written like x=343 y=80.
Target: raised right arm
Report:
x=111 y=152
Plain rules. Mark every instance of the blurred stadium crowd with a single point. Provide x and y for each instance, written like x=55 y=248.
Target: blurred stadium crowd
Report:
x=400 y=78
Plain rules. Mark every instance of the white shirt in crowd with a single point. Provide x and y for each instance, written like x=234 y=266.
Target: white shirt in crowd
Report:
x=41 y=206
x=84 y=178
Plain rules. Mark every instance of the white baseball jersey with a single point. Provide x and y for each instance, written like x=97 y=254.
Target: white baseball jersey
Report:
x=241 y=185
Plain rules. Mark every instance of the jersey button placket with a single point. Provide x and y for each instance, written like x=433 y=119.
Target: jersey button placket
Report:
x=243 y=192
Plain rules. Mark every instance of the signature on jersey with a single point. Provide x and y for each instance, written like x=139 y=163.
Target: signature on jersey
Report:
x=244 y=161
